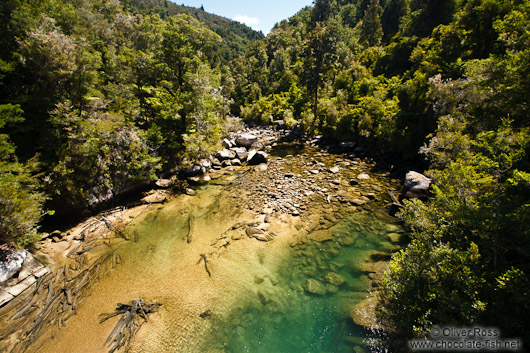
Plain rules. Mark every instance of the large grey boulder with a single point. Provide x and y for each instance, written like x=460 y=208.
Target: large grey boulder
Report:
x=241 y=153
x=257 y=157
x=12 y=264
x=225 y=154
x=416 y=185
x=246 y=140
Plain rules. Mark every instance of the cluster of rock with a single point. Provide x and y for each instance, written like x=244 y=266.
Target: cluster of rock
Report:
x=245 y=147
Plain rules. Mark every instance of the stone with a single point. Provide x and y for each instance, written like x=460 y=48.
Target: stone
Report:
x=416 y=185
x=227 y=144
x=321 y=236
x=259 y=157
x=246 y=140
x=165 y=183
x=261 y=167
x=12 y=264
x=395 y=238
x=357 y=202
x=334 y=170
x=226 y=163
x=225 y=154
x=190 y=192
x=194 y=171
x=364 y=313
x=363 y=176
x=334 y=279
x=241 y=153
x=256 y=146
x=235 y=162
x=314 y=287
x=29 y=266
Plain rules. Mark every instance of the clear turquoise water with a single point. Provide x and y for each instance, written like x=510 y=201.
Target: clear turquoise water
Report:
x=294 y=320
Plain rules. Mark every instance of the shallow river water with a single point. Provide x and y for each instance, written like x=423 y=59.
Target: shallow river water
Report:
x=292 y=294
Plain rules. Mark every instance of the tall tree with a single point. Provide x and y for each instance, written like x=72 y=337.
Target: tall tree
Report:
x=371 y=28
x=319 y=55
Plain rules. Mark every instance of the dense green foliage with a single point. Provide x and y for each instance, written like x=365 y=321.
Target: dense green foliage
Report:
x=448 y=79
x=104 y=99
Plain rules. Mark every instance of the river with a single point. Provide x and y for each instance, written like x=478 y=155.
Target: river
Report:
x=326 y=219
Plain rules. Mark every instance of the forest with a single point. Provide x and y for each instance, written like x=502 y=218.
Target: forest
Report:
x=97 y=96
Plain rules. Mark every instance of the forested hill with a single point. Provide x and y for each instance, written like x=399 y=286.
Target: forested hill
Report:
x=236 y=36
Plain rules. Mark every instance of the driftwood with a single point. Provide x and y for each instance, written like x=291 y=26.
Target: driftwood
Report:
x=115 y=229
x=203 y=258
x=134 y=315
x=190 y=228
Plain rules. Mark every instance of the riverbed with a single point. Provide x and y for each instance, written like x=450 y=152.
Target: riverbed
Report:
x=326 y=219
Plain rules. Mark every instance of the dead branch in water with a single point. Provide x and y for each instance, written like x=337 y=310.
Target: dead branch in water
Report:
x=134 y=315
x=190 y=229
x=203 y=258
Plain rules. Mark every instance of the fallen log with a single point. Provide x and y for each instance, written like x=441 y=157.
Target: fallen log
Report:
x=134 y=315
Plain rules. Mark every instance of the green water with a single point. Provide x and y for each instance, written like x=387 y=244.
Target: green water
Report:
x=289 y=319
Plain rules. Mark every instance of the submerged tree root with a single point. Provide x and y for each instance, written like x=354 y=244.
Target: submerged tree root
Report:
x=134 y=315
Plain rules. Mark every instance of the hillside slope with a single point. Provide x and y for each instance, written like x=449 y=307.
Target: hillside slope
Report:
x=236 y=36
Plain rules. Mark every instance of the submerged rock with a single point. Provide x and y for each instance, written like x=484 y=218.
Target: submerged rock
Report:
x=364 y=314
x=314 y=287
x=334 y=279
x=321 y=236
x=253 y=232
x=363 y=176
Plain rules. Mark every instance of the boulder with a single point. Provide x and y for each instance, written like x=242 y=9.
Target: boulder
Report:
x=416 y=185
x=205 y=163
x=314 y=287
x=258 y=157
x=364 y=313
x=12 y=264
x=227 y=144
x=321 y=236
x=246 y=140
x=279 y=124
x=334 y=279
x=241 y=153
x=194 y=171
x=225 y=154
x=165 y=183
x=256 y=146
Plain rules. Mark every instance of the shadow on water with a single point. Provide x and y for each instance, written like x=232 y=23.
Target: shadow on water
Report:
x=282 y=316
x=283 y=150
